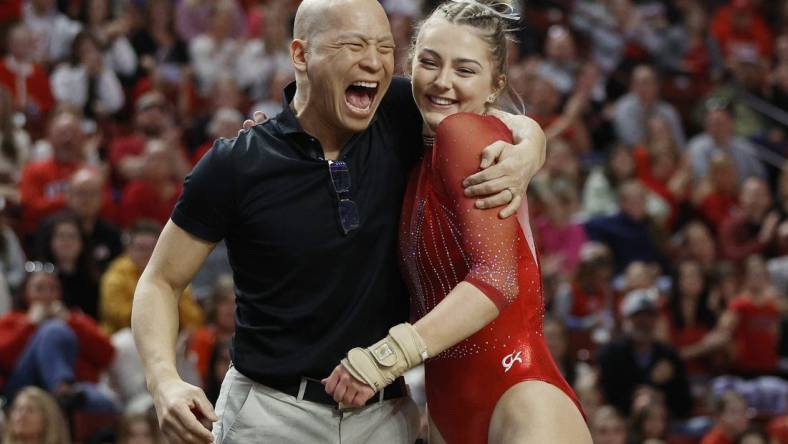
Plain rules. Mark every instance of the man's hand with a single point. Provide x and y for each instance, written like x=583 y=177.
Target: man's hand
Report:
x=259 y=117
x=346 y=389
x=507 y=169
x=181 y=407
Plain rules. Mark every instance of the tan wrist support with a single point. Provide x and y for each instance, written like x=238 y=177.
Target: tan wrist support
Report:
x=386 y=360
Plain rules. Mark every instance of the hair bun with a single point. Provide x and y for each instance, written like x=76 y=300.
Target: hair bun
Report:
x=504 y=9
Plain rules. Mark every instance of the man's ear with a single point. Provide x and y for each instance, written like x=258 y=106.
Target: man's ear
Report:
x=298 y=54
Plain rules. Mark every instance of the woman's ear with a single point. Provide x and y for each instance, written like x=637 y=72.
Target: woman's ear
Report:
x=500 y=85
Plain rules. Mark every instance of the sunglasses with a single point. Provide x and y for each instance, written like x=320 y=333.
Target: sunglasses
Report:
x=348 y=210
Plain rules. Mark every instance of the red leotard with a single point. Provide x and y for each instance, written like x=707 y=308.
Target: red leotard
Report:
x=444 y=240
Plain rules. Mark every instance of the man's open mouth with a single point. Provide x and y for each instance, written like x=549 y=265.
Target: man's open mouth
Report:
x=360 y=95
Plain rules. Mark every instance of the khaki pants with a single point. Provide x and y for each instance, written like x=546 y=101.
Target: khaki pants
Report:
x=250 y=412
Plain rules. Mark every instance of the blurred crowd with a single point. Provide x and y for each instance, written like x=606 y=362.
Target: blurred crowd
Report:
x=661 y=214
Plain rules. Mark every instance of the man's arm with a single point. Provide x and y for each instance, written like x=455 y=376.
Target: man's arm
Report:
x=508 y=169
x=154 y=320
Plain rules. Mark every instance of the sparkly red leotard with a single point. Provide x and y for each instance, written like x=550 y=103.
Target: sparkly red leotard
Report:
x=445 y=240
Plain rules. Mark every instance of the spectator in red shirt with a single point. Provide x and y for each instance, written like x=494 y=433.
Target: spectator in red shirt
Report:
x=44 y=183
x=27 y=81
x=737 y=25
x=154 y=194
x=658 y=166
x=717 y=194
x=752 y=322
x=45 y=344
x=153 y=120
x=732 y=419
x=586 y=305
x=752 y=227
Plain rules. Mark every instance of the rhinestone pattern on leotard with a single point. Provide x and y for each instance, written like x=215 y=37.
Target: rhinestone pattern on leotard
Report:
x=441 y=249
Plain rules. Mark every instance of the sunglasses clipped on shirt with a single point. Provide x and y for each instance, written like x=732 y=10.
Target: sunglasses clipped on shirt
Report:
x=348 y=210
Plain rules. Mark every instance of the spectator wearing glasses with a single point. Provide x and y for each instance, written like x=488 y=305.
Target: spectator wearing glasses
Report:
x=43 y=343
x=153 y=119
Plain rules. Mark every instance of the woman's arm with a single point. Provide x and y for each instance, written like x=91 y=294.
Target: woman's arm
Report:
x=463 y=312
x=489 y=246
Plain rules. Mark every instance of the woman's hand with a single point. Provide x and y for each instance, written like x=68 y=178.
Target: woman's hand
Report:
x=347 y=390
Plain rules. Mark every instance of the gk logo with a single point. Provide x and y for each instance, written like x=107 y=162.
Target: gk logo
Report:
x=509 y=360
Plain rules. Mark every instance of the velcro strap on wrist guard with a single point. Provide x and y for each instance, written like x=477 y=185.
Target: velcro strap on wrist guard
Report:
x=386 y=360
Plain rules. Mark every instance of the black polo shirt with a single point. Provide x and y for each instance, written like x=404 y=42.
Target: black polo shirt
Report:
x=306 y=292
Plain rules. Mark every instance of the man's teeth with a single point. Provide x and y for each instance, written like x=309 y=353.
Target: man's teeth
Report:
x=441 y=100
x=365 y=84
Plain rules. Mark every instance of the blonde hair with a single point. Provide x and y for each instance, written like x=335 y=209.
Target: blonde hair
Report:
x=495 y=19
x=55 y=429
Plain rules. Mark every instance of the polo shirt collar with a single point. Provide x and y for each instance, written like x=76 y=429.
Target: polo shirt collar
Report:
x=286 y=121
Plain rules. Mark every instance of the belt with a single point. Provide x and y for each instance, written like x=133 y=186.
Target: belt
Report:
x=315 y=391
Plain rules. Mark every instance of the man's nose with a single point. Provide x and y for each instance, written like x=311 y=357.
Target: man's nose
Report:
x=372 y=59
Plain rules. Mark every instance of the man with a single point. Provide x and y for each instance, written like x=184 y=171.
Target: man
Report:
x=312 y=242
x=627 y=233
x=152 y=120
x=638 y=359
x=26 y=80
x=86 y=198
x=43 y=184
x=634 y=109
x=719 y=137
x=751 y=228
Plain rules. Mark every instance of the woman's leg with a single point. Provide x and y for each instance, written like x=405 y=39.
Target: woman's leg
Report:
x=537 y=412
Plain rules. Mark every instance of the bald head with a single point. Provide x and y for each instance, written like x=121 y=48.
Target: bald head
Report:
x=85 y=193
x=316 y=16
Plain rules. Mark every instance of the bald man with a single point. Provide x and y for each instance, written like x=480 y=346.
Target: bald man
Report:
x=308 y=204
